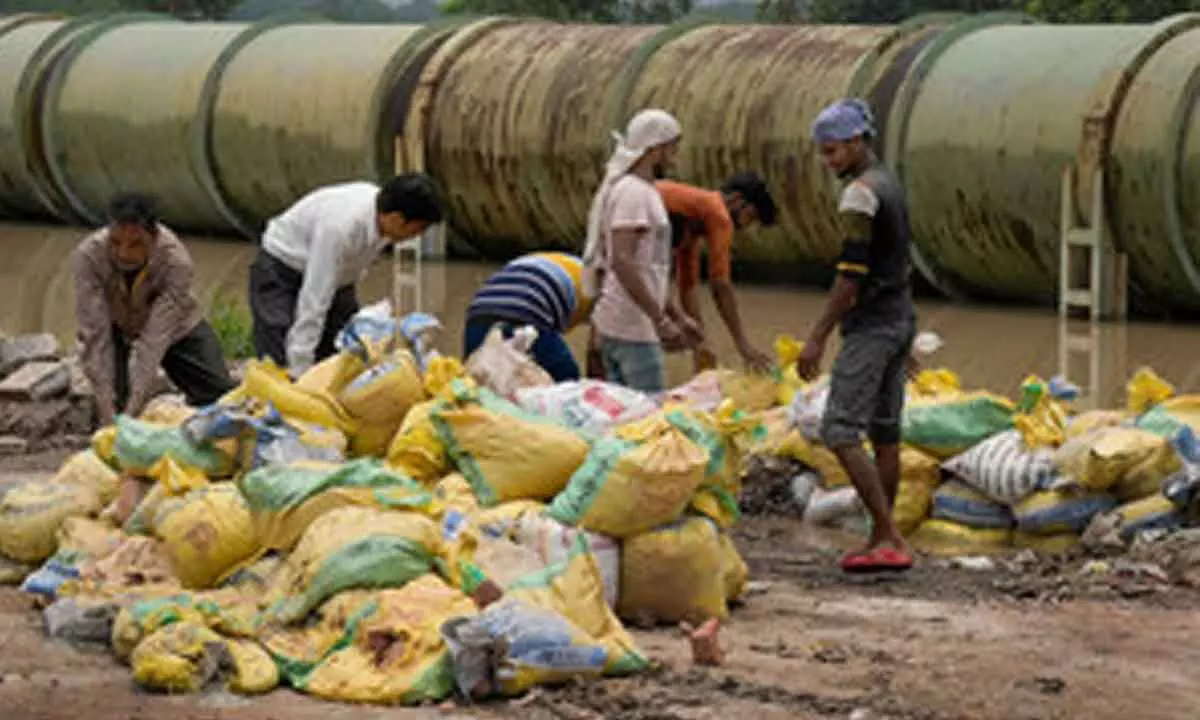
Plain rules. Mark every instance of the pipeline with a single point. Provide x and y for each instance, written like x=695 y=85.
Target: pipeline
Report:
x=980 y=116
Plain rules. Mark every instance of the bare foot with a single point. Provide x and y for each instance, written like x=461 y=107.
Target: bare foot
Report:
x=706 y=648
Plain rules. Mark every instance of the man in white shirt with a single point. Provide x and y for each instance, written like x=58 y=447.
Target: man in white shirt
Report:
x=302 y=281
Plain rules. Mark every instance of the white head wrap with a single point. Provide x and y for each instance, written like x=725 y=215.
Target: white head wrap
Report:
x=648 y=129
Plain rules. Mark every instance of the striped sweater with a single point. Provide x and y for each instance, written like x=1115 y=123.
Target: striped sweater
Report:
x=544 y=290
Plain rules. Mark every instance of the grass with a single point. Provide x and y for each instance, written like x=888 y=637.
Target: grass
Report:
x=234 y=329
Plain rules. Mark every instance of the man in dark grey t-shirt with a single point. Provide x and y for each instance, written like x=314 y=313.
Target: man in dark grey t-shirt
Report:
x=871 y=301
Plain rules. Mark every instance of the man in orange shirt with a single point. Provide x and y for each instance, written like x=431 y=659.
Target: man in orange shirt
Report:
x=696 y=213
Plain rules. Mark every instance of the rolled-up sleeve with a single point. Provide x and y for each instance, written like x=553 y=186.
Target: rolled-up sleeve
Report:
x=94 y=332
x=170 y=311
x=330 y=235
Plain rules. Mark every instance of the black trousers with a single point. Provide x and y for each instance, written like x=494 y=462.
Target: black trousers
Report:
x=274 y=291
x=194 y=363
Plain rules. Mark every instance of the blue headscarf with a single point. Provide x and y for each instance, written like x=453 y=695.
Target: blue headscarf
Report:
x=844 y=120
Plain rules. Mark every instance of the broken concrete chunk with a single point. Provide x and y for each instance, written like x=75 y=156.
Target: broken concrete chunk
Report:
x=13 y=445
x=16 y=352
x=80 y=386
x=37 y=381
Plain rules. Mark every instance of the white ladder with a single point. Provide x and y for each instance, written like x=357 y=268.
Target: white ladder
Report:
x=1103 y=293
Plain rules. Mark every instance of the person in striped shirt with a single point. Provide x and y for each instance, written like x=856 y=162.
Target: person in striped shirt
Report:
x=544 y=290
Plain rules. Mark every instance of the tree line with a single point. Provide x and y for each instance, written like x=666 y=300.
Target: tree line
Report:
x=624 y=11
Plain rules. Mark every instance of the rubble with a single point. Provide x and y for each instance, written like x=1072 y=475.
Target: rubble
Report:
x=18 y=351
x=37 y=381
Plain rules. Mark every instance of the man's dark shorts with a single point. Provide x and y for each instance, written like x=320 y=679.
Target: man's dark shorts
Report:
x=866 y=393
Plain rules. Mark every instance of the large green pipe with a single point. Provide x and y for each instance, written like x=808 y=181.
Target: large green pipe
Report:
x=29 y=47
x=987 y=121
x=1155 y=180
x=116 y=122
x=304 y=105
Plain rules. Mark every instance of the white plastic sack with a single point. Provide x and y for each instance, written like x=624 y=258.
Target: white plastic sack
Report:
x=503 y=366
x=702 y=392
x=826 y=507
x=590 y=406
x=552 y=541
x=808 y=408
x=1003 y=468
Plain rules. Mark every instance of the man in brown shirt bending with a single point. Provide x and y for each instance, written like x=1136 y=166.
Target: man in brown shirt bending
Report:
x=135 y=313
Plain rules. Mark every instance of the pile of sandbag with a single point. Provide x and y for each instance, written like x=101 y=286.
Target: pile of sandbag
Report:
x=982 y=473
x=393 y=525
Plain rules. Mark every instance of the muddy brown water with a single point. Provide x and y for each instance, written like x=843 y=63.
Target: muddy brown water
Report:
x=989 y=347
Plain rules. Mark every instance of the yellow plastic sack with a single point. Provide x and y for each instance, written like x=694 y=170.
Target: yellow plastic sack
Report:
x=641 y=477
x=171 y=479
x=787 y=352
x=416 y=450
x=32 y=512
x=737 y=573
x=505 y=519
x=166 y=411
x=1146 y=478
x=396 y=654
x=1101 y=459
x=254 y=671
x=942 y=537
x=85 y=538
x=1046 y=544
x=226 y=611
x=1152 y=512
x=572 y=590
x=379 y=399
x=779 y=439
x=1092 y=420
x=86 y=469
x=104 y=444
x=183 y=657
x=286 y=499
x=353 y=548
x=440 y=372
x=750 y=392
x=934 y=382
x=264 y=381
x=920 y=475
x=1145 y=390
x=207 y=534
x=332 y=374
x=1052 y=512
x=1044 y=423
x=676 y=573
x=453 y=492
x=504 y=452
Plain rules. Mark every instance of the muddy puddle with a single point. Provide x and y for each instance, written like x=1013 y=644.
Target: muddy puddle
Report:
x=989 y=347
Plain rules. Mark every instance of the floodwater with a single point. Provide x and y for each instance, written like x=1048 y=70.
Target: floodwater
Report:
x=994 y=348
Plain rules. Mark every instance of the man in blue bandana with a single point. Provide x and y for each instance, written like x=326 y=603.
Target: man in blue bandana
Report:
x=872 y=302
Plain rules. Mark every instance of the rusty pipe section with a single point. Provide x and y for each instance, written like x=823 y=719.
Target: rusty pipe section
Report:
x=746 y=95
x=518 y=130
x=115 y=122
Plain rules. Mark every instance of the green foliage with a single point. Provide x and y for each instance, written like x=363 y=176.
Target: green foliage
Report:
x=892 y=11
x=234 y=327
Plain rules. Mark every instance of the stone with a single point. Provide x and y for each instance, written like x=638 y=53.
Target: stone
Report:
x=16 y=352
x=13 y=445
x=80 y=386
x=37 y=381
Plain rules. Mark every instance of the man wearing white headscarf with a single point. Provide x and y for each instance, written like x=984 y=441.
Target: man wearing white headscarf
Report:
x=627 y=258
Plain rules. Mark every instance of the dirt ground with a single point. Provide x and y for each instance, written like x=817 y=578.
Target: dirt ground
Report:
x=1037 y=640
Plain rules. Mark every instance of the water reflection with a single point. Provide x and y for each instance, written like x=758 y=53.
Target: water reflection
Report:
x=989 y=347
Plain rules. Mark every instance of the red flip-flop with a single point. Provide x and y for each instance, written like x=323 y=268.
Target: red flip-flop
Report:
x=880 y=559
